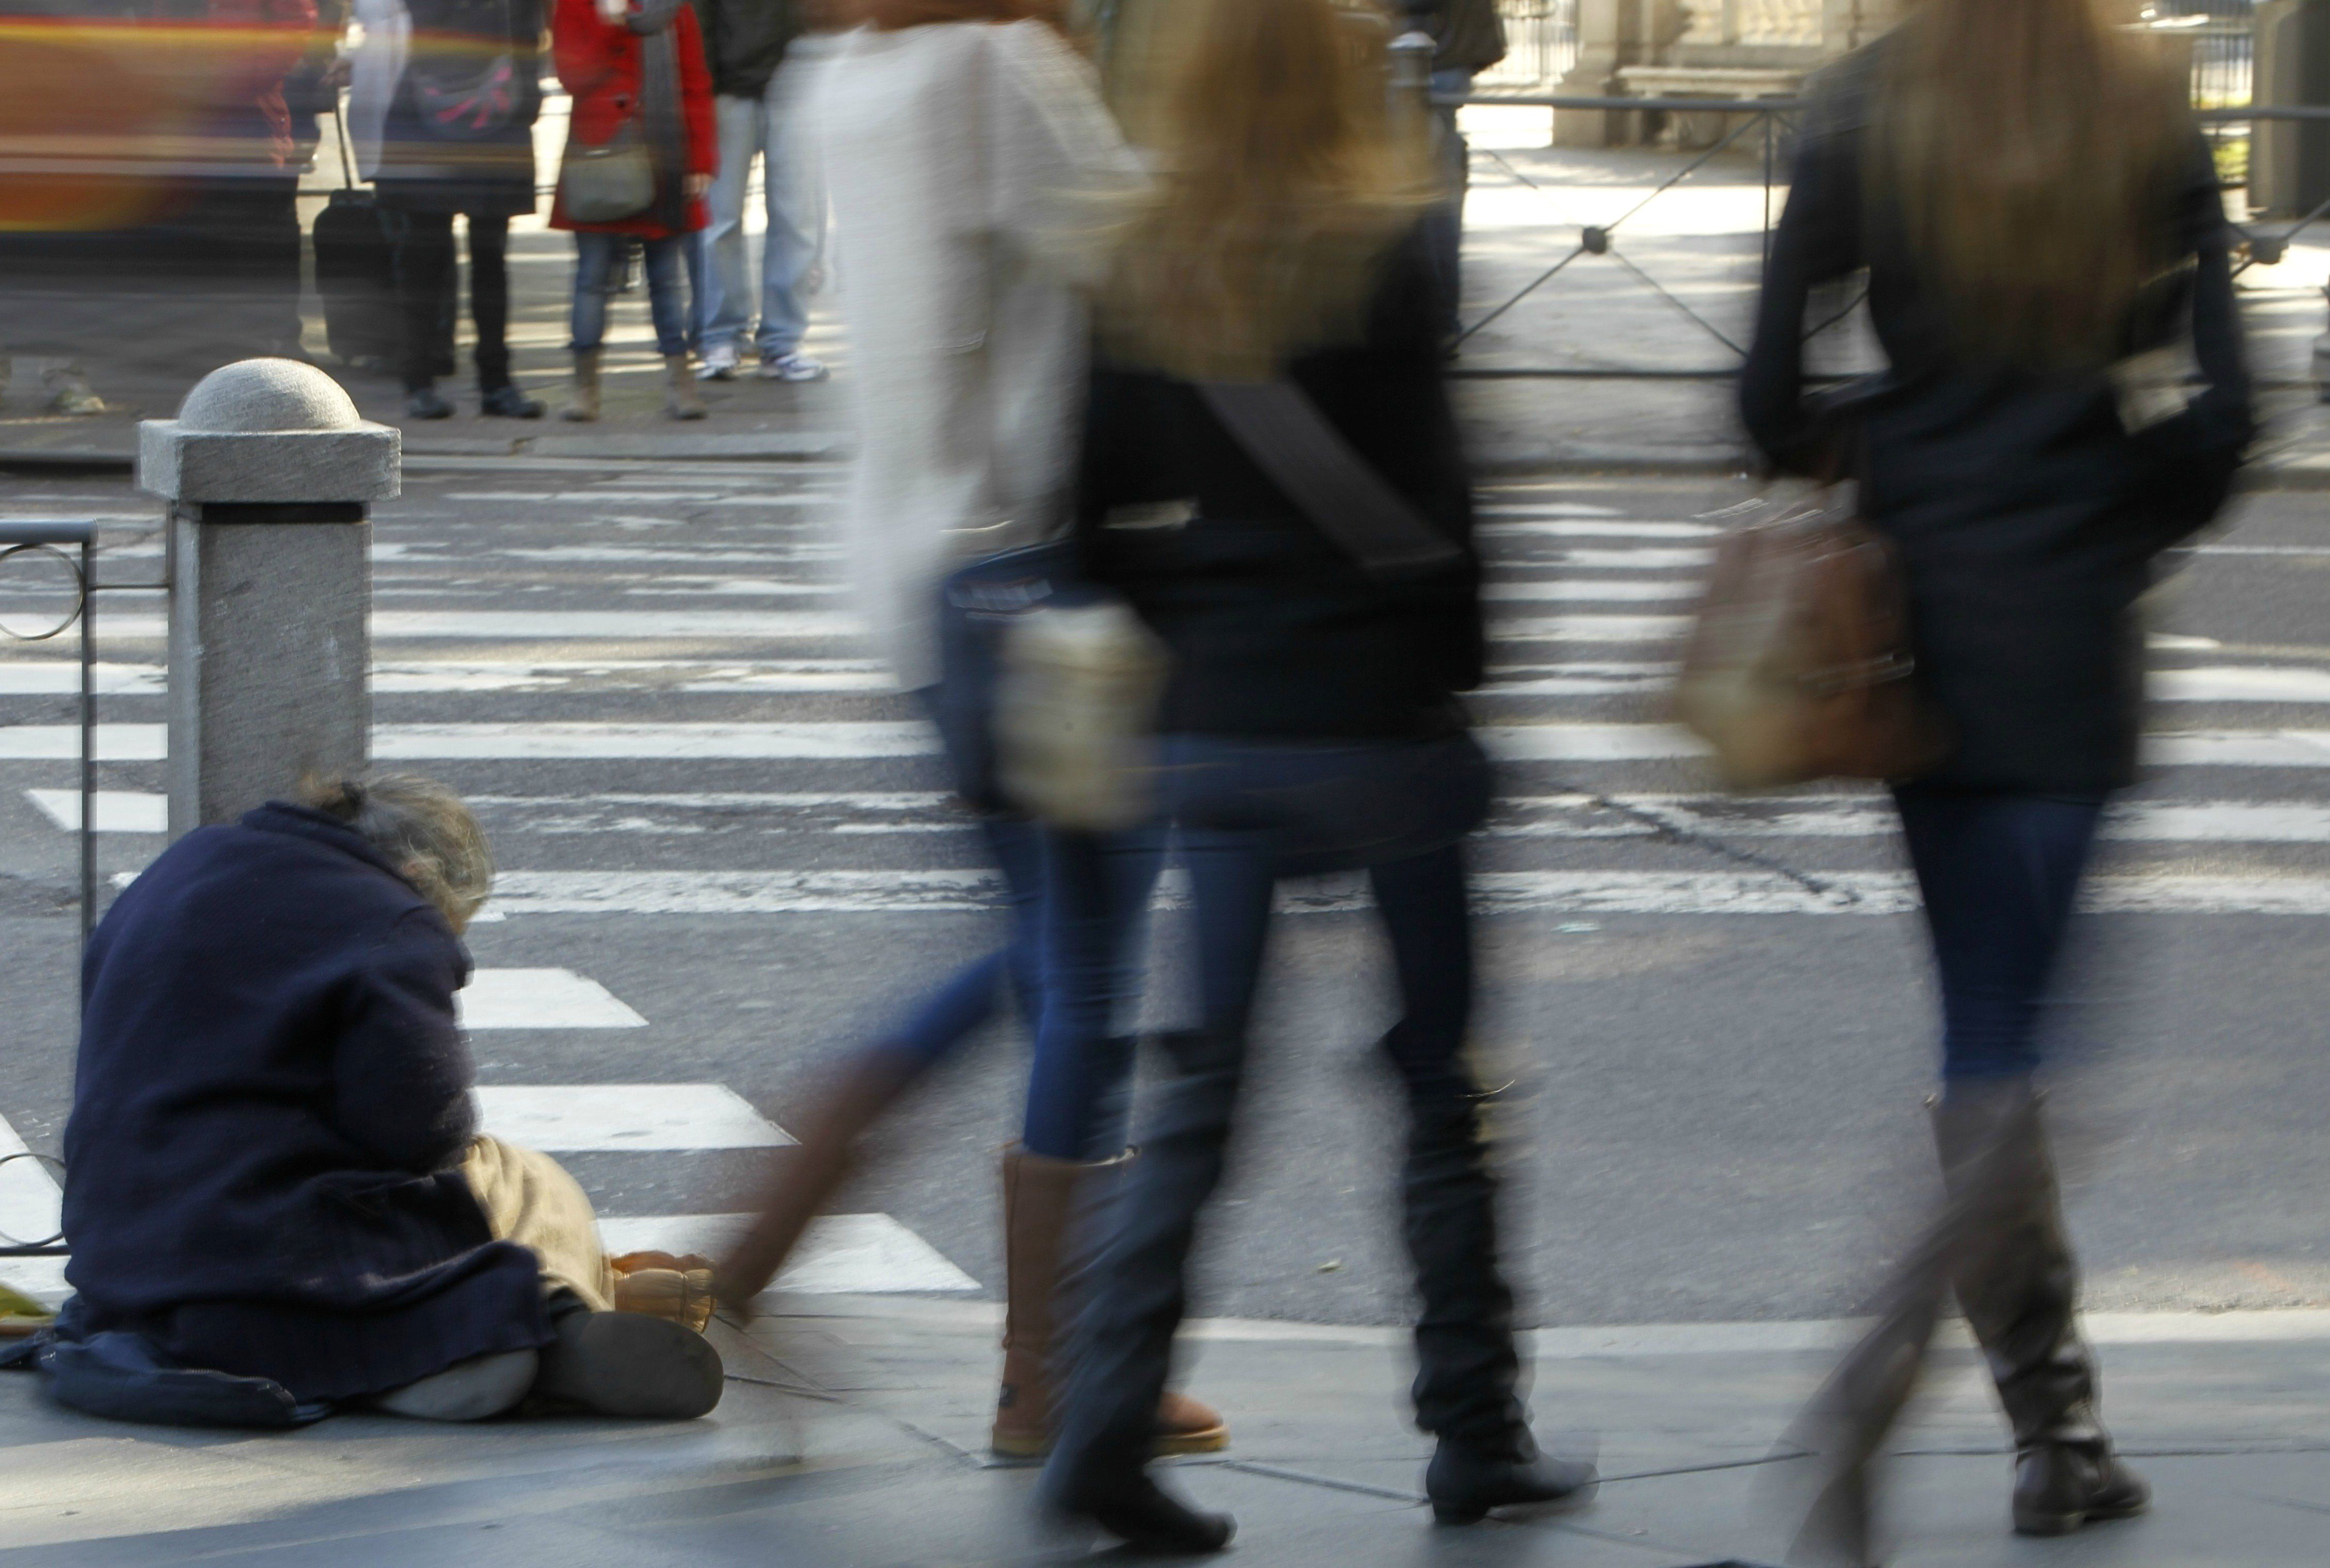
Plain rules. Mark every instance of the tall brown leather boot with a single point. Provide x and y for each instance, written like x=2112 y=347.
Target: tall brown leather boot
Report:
x=805 y=1177
x=1042 y=1196
x=2019 y=1288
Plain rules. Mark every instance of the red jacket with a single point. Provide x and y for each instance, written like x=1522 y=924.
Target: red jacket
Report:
x=600 y=66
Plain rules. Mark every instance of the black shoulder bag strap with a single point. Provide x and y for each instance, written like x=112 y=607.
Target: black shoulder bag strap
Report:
x=1282 y=429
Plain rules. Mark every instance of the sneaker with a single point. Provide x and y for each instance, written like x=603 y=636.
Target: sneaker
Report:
x=792 y=365
x=426 y=402
x=719 y=363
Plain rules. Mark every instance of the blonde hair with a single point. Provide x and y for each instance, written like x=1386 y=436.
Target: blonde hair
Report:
x=2028 y=147
x=424 y=830
x=1282 y=172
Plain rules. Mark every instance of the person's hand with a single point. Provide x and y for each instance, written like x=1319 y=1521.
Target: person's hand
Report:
x=696 y=187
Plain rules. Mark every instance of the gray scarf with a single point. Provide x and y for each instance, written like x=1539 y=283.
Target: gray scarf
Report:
x=662 y=128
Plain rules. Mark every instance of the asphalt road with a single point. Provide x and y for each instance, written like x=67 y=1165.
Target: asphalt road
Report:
x=1715 y=1014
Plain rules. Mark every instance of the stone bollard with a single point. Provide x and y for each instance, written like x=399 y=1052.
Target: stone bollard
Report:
x=269 y=474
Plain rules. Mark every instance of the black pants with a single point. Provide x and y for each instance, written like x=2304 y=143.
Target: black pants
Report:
x=427 y=290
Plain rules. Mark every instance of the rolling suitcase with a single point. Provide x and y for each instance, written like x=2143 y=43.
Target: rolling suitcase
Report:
x=356 y=273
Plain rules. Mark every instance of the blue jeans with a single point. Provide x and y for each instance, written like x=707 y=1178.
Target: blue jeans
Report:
x=1999 y=870
x=596 y=256
x=751 y=128
x=1248 y=813
x=1094 y=908
x=1078 y=1081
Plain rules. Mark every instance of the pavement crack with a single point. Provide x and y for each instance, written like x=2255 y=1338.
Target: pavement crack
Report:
x=1667 y=832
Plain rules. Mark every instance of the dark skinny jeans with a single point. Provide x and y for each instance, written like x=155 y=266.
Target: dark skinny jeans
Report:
x=1999 y=871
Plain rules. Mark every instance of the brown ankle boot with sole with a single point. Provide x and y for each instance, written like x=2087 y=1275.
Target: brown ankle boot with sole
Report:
x=1040 y=1196
x=583 y=406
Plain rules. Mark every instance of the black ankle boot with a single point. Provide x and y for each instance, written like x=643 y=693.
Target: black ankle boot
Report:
x=1147 y=1517
x=506 y=401
x=1465 y=1483
x=425 y=402
x=2059 y=1487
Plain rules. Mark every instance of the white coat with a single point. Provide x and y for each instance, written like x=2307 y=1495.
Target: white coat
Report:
x=970 y=168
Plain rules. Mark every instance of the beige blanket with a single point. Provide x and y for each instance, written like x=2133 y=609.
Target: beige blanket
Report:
x=530 y=1200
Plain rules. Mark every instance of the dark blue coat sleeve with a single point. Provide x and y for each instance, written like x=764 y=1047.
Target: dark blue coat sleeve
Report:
x=401 y=1068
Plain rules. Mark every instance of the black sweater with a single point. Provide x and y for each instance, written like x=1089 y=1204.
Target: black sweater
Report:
x=2026 y=516
x=269 y=1109
x=1274 y=632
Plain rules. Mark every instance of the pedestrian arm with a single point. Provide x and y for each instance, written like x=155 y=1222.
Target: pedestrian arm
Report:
x=1817 y=241
x=1056 y=162
x=401 y=1071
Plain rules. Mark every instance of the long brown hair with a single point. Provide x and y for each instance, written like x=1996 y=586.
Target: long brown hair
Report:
x=2028 y=149
x=1282 y=171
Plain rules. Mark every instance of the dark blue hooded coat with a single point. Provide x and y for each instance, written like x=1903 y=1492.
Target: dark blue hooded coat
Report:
x=269 y=1111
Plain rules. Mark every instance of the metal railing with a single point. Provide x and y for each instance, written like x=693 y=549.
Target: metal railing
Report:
x=1764 y=126
x=73 y=544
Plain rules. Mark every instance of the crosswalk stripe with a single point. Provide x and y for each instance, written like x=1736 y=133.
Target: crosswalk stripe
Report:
x=1548 y=817
x=1588 y=590
x=814 y=677
x=839 y=1255
x=520 y=893
x=844 y=739
x=626 y=1117
x=541 y=999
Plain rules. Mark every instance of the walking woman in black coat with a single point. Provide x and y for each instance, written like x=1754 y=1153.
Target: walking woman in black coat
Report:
x=1311 y=721
x=2045 y=252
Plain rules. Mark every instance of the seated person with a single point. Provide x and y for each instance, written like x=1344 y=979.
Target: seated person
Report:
x=274 y=1169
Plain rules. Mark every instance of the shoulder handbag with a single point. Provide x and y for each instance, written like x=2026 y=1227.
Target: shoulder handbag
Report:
x=1799 y=665
x=611 y=182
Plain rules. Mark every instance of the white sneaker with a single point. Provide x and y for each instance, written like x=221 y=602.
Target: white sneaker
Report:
x=792 y=365
x=719 y=363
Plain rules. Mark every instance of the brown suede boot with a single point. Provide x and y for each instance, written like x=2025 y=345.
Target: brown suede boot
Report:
x=1040 y=1196
x=583 y=406
x=681 y=400
x=806 y=1176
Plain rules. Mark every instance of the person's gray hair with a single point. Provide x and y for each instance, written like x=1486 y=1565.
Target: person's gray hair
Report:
x=424 y=830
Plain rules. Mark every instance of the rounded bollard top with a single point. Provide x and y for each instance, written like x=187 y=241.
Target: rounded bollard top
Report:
x=259 y=396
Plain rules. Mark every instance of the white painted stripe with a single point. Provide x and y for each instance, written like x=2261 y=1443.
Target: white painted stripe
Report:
x=541 y=999
x=30 y=1203
x=58 y=677
x=808 y=740
x=1579 y=816
x=2292 y=1325
x=562 y=625
x=1644 y=559
x=853 y=738
x=1586 y=591
x=593 y=1118
x=839 y=1255
x=811 y=739
x=2240 y=683
x=1545 y=508
x=618 y=497
x=1508 y=528
x=117 y=811
x=1590 y=628
x=733 y=587
x=767 y=892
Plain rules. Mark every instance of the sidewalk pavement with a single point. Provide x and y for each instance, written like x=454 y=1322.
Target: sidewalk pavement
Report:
x=853 y=1431
x=1672 y=293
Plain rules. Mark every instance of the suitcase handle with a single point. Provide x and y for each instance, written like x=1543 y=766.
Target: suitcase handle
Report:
x=340 y=125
